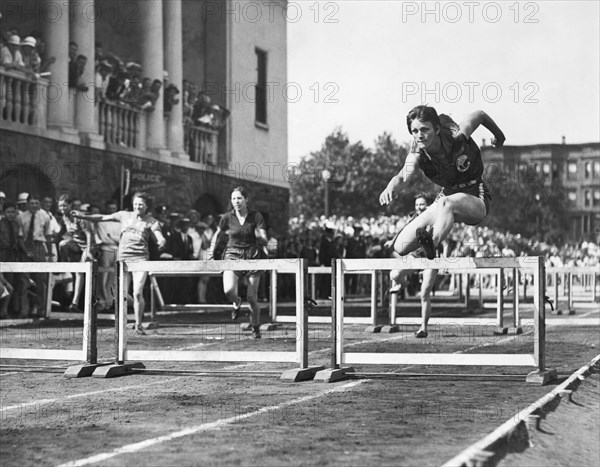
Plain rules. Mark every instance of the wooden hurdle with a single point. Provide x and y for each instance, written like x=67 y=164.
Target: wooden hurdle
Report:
x=588 y=278
x=300 y=356
x=88 y=352
x=533 y=264
x=463 y=303
x=313 y=271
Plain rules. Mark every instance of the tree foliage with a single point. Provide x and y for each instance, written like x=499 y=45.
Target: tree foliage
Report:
x=358 y=176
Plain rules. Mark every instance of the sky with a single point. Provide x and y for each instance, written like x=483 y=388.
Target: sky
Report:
x=362 y=65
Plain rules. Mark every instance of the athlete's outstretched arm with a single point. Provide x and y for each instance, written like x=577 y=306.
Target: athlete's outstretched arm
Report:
x=410 y=164
x=479 y=117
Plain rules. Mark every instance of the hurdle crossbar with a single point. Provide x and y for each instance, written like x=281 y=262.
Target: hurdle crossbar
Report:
x=316 y=270
x=533 y=264
x=88 y=352
x=295 y=266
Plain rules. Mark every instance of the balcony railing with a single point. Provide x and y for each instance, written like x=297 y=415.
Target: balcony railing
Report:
x=201 y=144
x=23 y=98
x=121 y=125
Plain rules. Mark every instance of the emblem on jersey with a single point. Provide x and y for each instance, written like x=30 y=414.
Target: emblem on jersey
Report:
x=463 y=163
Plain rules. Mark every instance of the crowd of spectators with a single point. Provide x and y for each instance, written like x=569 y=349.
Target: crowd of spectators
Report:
x=114 y=80
x=188 y=235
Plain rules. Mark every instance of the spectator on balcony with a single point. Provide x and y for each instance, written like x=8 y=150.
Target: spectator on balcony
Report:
x=149 y=97
x=73 y=49
x=76 y=71
x=202 y=109
x=14 y=49
x=117 y=84
x=31 y=59
x=188 y=101
x=170 y=98
x=134 y=70
x=5 y=55
x=45 y=61
x=103 y=75
x=98 y=54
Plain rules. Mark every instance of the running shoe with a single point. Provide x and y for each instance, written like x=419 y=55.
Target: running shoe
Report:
x=235 y=313
x=256 y=332
x=426 y=241
x=420 y=334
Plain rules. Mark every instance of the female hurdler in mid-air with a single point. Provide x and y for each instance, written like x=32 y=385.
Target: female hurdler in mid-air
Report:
x=449 y=157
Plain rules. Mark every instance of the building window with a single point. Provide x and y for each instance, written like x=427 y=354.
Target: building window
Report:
x=571 y=170
x=596 y=169
x=587 y=198
x=261 y=87
x=596 y=198
x=546 y=170
x=572 y=196
x=588 y=170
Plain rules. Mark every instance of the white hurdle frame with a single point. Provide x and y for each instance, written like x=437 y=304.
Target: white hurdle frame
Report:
x=534 y=264
x=296 y=266
x=567 y=274
x=88 y=353
x=312 y=272
x=500 y=299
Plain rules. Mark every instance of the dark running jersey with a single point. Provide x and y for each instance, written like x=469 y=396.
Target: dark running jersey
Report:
x=462 y=165
x=242 y=236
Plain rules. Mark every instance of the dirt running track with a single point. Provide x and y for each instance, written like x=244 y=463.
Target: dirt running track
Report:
x=171 y=418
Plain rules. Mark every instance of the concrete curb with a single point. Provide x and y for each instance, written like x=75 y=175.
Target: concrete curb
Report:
x=487 y=447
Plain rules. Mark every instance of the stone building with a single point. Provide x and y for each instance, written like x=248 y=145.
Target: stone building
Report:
x=576 y=167
x=55 y=138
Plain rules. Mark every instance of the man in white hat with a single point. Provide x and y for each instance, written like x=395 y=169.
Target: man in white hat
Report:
x=22 y=201
x=14 y=46
x=31 y=59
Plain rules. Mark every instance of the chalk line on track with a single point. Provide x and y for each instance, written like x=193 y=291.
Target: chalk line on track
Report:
x=74 y=396
x=130 y=448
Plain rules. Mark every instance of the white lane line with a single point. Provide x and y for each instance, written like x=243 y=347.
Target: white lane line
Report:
x=75 y=396
x=11 y=373
x=218 y=424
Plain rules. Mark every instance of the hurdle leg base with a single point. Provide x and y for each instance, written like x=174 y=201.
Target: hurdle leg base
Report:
x=390 y=329
x=116 y=369
x=269 y=327
x=374 y=328
x=332 y=375
x=300 y=374
x=82 y=371
x=541 y=377
x=516 y=330
x=500 y=331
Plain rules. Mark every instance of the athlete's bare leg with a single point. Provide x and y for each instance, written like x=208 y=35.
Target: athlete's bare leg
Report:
x=429 y=276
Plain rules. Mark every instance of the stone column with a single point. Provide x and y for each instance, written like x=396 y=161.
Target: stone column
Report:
x=151 y=42
x=83 y=29
x=55 y=20
x=173 y=63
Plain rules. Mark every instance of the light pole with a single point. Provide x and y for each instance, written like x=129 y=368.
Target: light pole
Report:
x=326 y=175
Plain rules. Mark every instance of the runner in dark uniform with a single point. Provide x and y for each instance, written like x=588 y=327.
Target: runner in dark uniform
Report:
x=449 y=157
x=399 y=276
x=247 y=239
